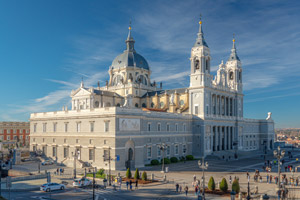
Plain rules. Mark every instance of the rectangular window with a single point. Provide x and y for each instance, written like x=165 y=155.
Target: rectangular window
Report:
x=176 y=127
x=176 y=149
x=149 y=152
x=34 y=128
x=66 y=152
x=21 y=136
x=54 y=127
x=149 y=127
x=196 y=110
x=91 y=154
x=158 y=127
x=168 y=150
x=65 y=140
x=53 y=151
x=8 y=138
x=44 y=127
x=91 y=141
x=168 y=127
x=184 y=149
x=1 y=130
x=78 y=126
x=8 y=130
x=184 y=127
x=66 y=127
x=106 y=155
x=27 y=131
x=104 y=142
x=77 y=141
x=15 y=130
x=92 y=126
x=106 y=128
x=158 y=152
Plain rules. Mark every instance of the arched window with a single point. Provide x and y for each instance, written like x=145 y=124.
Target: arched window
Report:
x=117 y=80
x=206 y=64
x=142 y=79
x=152 y=105
x=107 y=104
x=136 y=105
x=231 y=75
x=197 y=65
x=240 y=75
x=181 y=102
x=144 y=105
x=161 y=104
x=96 y=104
x=118 y=105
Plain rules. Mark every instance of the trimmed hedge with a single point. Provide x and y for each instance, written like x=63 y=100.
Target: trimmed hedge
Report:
x=166 y=161
x=189 y=157
x=128 y=173
x=224 y=185
x=137 y=174
x=174 y=160
x=154 y=162
x=236 y=186
x=144 y=176
x=211 y=184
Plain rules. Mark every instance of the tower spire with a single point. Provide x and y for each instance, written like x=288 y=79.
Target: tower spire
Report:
x=129 y=41
x=200 y=41
x=233 y=54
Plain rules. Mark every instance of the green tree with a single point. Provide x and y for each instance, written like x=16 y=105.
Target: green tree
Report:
x=211 y=184
x=144 y=176
x=128 y=173
x=154 y=162
x=236 y=186
x=224 y=185
x=137 y=174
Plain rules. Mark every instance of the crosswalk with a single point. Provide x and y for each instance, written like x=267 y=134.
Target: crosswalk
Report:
x=103 y=194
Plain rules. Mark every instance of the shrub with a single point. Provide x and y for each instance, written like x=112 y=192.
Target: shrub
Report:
x=167 y=161
x=182 y=158
x=211 y=184
x=100 y=172
x=236 y=186
x=224 y=185
x=154 y=162
x=189 y=157
x=144 y=176
x=137 y=174
x=128 y=173
x=174 y=160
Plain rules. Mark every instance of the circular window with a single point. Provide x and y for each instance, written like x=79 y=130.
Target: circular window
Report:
x=181 y=102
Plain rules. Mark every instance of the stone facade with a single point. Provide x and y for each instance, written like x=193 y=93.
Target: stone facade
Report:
x=131 y=116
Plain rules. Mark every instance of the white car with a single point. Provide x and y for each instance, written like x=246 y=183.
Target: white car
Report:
x=52 y=186
x=48 y=162
x=82 y=182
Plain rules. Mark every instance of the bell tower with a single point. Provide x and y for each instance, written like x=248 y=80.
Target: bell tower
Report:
x=200 y=61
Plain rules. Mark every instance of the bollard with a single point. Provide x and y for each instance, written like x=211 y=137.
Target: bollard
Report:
x=165 y=177
x=152 y=177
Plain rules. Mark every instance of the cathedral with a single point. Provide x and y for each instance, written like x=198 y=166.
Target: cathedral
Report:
x=126 y=122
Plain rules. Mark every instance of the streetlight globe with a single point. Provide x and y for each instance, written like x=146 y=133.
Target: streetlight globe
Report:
x=199 y=162
x=275 y=152
x=282 y=152
x=206 y=164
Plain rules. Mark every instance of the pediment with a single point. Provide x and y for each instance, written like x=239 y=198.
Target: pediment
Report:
x=81 y=92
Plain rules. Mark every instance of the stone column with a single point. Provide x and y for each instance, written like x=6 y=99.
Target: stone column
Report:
x=225 y=102
x=226 y=138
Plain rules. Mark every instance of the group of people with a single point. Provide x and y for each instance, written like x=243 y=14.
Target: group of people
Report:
x=179 y=189
x=130 y=183
x=60 y=171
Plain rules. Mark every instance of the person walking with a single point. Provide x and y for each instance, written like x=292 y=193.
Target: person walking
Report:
x=180 y=189
x=194 y=178
x=186 y=189
x=57 y=170
x=177 y=187
x=196 y=190
x=297 y=181
x=127 y=184
x=260 y=179
x=270 y=179
x=130 y=185
x=267 y=178
x=63 y=170
x=279 y=194
x=136 y=184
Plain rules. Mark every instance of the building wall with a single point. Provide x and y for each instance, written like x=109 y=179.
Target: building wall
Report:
x=10 y=131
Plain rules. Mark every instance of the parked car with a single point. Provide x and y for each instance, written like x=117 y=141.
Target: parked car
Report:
x=48 y=162
x=52 y=186
x=82 y=182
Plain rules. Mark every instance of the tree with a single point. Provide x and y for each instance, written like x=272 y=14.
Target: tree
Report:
x=236 y=186
x=128 y=173
x=137 y=174
x=154 y=162
x=144 y=176
x=211 y=184
x=174 y=160
x=224 y=185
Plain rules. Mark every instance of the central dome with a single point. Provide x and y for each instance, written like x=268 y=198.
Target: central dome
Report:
x=129 y=58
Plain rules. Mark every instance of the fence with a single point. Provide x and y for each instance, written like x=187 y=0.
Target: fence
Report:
x=26 y=178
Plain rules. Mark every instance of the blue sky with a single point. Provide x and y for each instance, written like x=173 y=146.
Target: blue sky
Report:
x=47 y=46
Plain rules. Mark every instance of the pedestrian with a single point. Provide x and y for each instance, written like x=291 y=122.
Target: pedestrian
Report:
x=63 y=170
x=270 y=179
x=57 y=170
x=60 y=171
x=186 y=189
x=230 y=180
x=297 y=181
x=260 y=179
x=136 y=184
x=180 y=189
x=279 y=194
x=177 y=187
x=196 y=190
x=130 y=185
x=127 y=184
x=267 y=178
x=194 y=177
x=276 y=180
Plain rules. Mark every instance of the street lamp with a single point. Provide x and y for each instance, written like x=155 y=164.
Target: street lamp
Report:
x=248 y=196
x=203 y=165
x=163 y=147
x=279 y=155
x=108 y=158
x=75 y=156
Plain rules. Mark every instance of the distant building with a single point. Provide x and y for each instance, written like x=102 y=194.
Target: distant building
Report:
x=130 y=117
x=14 y=132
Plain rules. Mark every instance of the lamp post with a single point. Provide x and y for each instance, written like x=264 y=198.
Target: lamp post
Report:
x=163 y=147
x=108 y=158
x=95 y=170
x=75 y=156
x=248 y=196
x=203 y=165
x=279 y=154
